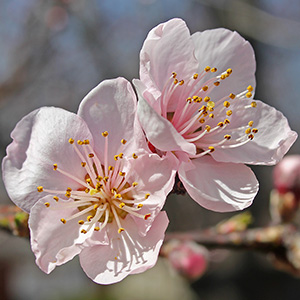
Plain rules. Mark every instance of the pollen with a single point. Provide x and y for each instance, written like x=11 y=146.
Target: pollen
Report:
x=122 y=173
x=71 y=141
x=205 y=88
x=47 y=204
x=140 y=205
x=207 y=68
x=226 y=104
x=181 y=82
x=213 y=70
x=226 y=121
x=86 y=142
x=91 y=155
x=55 y=167
x=121 y=230
x=232 y=96
x=122 y=204
x=223 y=76
x=206 y=99
x=83 y=164
x=134 y=156
x=251 y=136
x=147 y=216
x=211 y=148
x=83 y=231
x=202 y=120
x=105 y=133
x=40 y=189
x=211 y=116
x=147 y=196
x=121 y=155
x=175 y=81
x=217 y=83
x=229 y=71
x=250 y=88
x=229 y=113
x=134 y=184
x=248 y=130
x=249 y=95
x=254 y=130
x=123 y=141
x=110 y=168
x=220 y=124
x=174 y=74
x=63 y=220
x=55 y=198
x=195 y=76
x=250 y=123
x=253 y=104
x=227 y=137
x=189 y=99
x=68 y=194
x=207 y=128
x=79 y=142
x=89 y=218
x=97 y=228
x=80 y=222
x=116 y=157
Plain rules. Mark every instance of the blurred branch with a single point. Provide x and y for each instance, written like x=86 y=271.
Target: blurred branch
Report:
x=257 y=24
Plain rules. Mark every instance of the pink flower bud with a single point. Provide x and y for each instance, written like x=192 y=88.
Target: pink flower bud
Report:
x=188 y=258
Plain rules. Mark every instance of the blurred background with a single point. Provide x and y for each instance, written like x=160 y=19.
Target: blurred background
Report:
x=52 y=53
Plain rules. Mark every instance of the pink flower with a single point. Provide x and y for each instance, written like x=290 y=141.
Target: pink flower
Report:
x=196 y=101
x=89 y=186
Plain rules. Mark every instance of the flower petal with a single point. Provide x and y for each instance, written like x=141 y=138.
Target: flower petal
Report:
x=40 y=139
x=156 y=177
x=224 y=49
x=128 y=252
x=219 y=186
x=168 y=48
x=111 y=106
x=160 y=132
x=53 y=242
x=273 y=139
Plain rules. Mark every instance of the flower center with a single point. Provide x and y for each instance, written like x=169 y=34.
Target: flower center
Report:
x=106 y=192
x=205 y=121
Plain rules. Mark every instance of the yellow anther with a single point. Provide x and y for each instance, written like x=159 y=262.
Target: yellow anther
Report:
x=226 y=104
x=207 y=128
x=206 y=69
x=248 y=130
x=253 y=104
x=91 y=155
x=229 y=71
x=232 y=96
x=175 y=81
x=174 y=74
x=210 y=104
x=134 y=156
x=198 y=100
x=255 y=130
x=205 y=88
x=251 y=136
x=248 y=95
x=40 y=189
x=55 y=167
x=147 y=216
x=47 y=204
x=223 y=76
x=68 y=194
x=71 y=141
x=122 y=173
x=99 y=186
x=55 y=198
x=195 y=97
x=86 y=142
x=97 y=228
x=140 y=205
x=110 y=168
x=134 y=184
x=105 y=133
x=181 y=82
x=202 y=120
x=121 y=230
x=123 y=141
x=122 y=204
x=88 y=180
x=147 y=196
x=80 y=222
x=220 y=124
x=206 y=99
x=96 y=206
x=106 y=178
x=189 y=99
x=250 y=123
x=118 y=196
x=227 y=137
x=93 y=192
x=250 y=88
x=89 y=218
x=211 y=148
x=211 y=116
x=63 y=220
x=229 y=112
x=87 y=190
x=116 y=157
x=226 y=121
x=121 y=155
x=195 y=76
x=213 y=70
x=217 y=83
x=83 y=164
x=113 y=190
x=79 y=142
x=205 y=113
x=83 y=231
